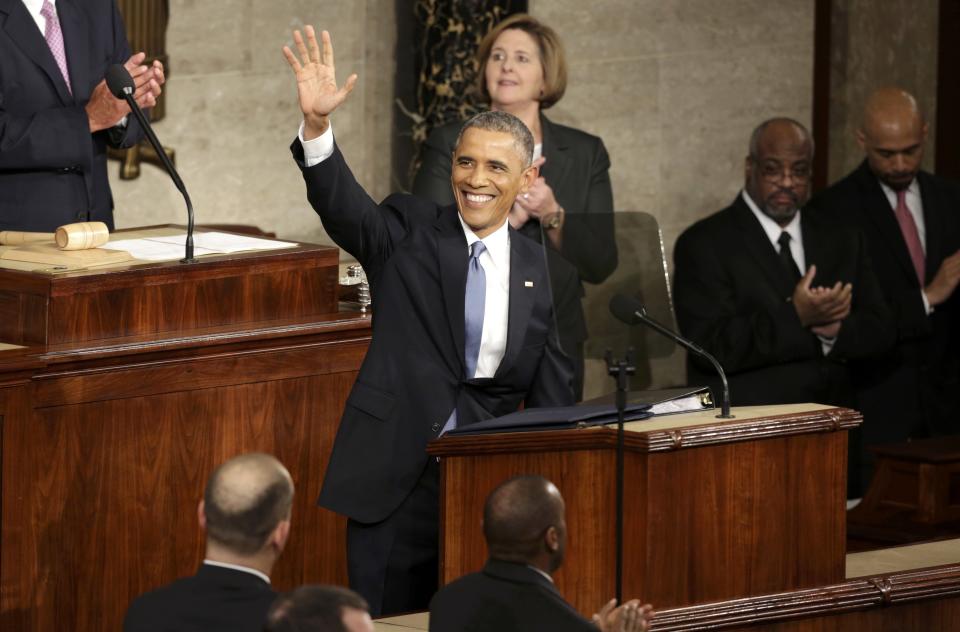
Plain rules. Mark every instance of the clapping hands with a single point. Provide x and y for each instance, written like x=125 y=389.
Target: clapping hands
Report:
x=630 y=617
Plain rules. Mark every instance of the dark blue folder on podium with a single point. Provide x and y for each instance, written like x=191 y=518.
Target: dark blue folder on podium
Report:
x=596 y=412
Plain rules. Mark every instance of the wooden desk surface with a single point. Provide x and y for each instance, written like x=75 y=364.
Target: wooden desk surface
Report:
x=417 y=621
x=903 y=558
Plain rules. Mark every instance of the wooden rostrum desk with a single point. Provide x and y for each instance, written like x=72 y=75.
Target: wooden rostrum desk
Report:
x=128 y=386
x=730 y=524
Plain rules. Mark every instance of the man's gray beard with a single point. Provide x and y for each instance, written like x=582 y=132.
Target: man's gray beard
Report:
x=779 y=216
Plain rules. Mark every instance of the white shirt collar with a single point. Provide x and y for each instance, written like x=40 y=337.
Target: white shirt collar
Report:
x=34 y=6
x=773 y=229
x=497 y=243
x=237 y=567
x=912 y=190
x=547 y=575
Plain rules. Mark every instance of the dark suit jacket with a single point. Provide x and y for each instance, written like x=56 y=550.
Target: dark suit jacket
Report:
x=918 y=379
x=53 y=171
x=577 y=169
x=214 y=599
x=732 y=297
x=504 y=597
x=415 y=256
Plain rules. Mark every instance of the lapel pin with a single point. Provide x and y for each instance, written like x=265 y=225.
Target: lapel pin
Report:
x=528 y=284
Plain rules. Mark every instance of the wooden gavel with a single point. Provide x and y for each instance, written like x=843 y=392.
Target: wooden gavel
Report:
x=79 y=236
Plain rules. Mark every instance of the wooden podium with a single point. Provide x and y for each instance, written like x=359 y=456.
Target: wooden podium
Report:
x=714 y=509
x=133 y=383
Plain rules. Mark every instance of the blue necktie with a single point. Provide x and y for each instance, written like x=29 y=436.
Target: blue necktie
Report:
x=473 y=308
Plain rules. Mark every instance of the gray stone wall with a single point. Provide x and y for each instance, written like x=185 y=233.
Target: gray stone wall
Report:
x=875 y=44
x=232 y=112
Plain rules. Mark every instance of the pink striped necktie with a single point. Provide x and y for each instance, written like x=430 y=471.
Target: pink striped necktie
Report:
x=910 y=235
x=54 y=37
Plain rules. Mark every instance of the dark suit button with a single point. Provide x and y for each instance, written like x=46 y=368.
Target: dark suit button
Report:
x=435 y=427
x=82 y=216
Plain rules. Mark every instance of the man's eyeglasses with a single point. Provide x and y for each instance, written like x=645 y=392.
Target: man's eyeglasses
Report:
x=775 y=172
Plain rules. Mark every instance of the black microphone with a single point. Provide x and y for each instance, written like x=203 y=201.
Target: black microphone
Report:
x=631 y=311
x=121 y=85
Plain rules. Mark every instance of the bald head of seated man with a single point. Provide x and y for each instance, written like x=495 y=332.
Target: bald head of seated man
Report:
x=526 y=534
x=245 y=513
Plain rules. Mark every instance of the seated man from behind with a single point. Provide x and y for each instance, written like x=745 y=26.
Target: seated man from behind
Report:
x=246 y=514
x=525 y=530
x=319 y=609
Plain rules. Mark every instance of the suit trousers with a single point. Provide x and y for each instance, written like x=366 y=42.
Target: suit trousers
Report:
x=394 y=564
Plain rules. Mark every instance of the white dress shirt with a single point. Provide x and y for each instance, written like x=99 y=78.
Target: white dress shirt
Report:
x=495 y=261
x=237 y=567
x=34 y=6
x=773 y=230
x=915 y=205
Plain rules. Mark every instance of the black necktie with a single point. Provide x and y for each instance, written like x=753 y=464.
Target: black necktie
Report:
x=786 y=257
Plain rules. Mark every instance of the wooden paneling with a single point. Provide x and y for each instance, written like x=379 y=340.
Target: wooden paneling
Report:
x=923 y=600
x=169 y=297
x=713 y=513
x=103 y=472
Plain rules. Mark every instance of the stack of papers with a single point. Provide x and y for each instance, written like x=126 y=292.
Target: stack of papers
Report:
x=171 y=247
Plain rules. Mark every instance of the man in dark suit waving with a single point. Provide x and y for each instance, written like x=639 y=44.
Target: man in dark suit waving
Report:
x=784 y=300
x=463 y=329
x=911 y=221
x=57 y=115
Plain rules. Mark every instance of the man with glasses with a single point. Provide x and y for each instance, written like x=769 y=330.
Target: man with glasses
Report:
x=783 y=300
x=911 y=223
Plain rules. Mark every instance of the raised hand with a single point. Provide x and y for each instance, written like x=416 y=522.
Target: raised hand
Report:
x=316 y=81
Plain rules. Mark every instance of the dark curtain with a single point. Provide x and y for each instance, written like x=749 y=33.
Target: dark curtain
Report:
x=436 y=68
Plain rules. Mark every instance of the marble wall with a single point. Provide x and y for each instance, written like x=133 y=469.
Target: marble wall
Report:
x=232 y=112
x=674 y=88
x=876 y=44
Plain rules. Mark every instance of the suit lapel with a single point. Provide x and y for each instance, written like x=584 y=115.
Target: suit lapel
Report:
x=877 y=208
x=453 y=258
x=22 y=30
x=554 y=148
x=932 y=225
x=525 y=281
x=757 y=244
x=73 y=23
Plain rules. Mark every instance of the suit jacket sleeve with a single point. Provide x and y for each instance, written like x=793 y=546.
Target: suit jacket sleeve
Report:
x=741 y=335
x=60 y=137
x=352 y=219
x=433 y=177
x=869 y=330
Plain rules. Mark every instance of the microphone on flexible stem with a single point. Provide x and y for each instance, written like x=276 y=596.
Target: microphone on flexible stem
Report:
x=121 y=86
x=631 y=311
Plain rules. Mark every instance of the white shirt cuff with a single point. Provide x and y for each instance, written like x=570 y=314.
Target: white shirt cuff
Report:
x=317 y=149
x=927 y=307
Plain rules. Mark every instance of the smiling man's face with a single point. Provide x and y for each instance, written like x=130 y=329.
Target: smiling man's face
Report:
x=488 y=173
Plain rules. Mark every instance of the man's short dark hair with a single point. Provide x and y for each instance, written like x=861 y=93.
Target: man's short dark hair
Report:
x=312 y=608
x=517 y=514
x=496 y=121
x=244 y=501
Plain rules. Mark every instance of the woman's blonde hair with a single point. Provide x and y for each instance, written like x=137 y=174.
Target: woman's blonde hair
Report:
x=552 y=58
